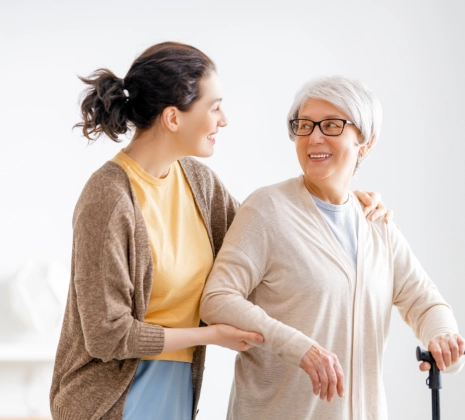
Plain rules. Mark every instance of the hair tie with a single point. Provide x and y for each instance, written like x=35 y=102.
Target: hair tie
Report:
x=126 y=93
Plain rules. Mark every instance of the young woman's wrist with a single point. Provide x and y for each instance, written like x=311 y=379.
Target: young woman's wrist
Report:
x=209 y=334
x=181 y=338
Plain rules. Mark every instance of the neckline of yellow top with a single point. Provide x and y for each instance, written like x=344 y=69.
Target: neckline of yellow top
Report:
x=135 y=167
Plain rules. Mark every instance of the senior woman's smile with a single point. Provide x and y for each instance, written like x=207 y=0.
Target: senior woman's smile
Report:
x=319 y=157
x=301 y=265
x=327 y=146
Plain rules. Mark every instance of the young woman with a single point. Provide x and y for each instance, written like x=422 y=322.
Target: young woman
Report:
x=147 y=228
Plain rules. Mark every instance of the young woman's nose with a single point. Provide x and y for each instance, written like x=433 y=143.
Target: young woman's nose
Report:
x=223 y=122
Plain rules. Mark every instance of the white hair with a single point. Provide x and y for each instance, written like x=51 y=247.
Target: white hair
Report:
x=353 y=98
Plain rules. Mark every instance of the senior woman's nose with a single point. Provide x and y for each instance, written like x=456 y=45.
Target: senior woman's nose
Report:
x=317 y=137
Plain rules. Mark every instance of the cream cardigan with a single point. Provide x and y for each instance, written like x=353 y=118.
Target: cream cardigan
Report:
x=282 y=273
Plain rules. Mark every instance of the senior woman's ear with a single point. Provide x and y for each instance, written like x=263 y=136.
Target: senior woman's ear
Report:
x=366 y=148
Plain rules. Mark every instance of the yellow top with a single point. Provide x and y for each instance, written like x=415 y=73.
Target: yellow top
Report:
x=181 y=250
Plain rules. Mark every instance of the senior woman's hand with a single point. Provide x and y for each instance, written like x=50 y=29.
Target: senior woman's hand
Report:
x=446 y=350
x=373 y=204
x=325 y=372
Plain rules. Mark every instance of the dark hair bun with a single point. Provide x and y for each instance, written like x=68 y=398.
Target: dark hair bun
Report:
x=166 y=74
x=104 y=106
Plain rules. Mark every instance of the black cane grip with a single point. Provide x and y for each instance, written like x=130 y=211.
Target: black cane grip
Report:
x=424 y=356
x=434 y=379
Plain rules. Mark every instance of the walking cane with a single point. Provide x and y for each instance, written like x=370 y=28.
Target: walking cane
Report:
x=434 y=380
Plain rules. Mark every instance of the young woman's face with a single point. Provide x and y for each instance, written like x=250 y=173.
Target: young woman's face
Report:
x=324 y=158
x=199 y=125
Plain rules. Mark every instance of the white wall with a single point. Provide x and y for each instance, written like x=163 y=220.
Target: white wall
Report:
x=411 y=53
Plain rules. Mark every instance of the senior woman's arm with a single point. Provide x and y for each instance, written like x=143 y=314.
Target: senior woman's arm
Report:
x=233 y=278
x=238 y=269
x=424 y=309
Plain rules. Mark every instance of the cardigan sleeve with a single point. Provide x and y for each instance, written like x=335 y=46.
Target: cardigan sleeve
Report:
x=418 y=300
x=216 y=205
x=238 y=269
x=223 y=210
x=102 y=246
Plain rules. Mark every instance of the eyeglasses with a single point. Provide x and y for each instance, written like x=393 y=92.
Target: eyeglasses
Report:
x=329 y=127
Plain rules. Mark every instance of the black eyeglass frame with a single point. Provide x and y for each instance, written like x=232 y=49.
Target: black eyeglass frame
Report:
x=317 y=123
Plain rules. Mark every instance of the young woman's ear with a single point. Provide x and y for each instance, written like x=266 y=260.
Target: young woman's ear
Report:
x=170 y=118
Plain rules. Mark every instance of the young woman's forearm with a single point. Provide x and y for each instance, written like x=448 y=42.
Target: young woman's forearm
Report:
x=221 y=335
x=181 y=338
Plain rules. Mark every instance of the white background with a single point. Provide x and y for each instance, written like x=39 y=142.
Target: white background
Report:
x=411 y=53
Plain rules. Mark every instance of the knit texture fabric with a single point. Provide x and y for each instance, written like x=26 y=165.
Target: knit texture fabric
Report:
x=103 y=334
x=282 y=273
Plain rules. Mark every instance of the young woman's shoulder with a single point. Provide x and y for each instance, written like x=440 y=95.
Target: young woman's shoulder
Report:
x=107 y=188
x=205 y=182
x=197 y=170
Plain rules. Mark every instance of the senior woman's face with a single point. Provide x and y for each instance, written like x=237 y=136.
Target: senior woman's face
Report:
x=326 y=159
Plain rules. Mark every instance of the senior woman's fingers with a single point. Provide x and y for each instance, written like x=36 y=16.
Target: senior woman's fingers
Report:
x=340 y=380
x=446 y=353
x=311 y=370
x=455 y=344
x=324 y=382
x=325 y=372
x=436 y=352
x=332 y=387
x=461 y=342
x=315 y=378
x=444 y=350
x=454 y=350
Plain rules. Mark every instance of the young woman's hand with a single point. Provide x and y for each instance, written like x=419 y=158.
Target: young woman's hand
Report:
x=234 y=338
x=373 y=204
x=325 y=372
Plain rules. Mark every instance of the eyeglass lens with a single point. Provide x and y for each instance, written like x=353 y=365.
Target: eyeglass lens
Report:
x=328 y=127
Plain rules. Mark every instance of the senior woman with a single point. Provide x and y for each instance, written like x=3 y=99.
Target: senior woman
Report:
x=302 y=266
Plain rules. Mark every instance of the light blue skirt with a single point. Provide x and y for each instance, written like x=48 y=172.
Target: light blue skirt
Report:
x=161 y=390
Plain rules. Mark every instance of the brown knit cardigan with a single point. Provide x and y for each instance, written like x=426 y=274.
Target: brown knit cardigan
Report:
x=103 y=335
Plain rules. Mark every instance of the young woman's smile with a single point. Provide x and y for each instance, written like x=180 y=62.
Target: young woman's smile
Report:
x=200 y=124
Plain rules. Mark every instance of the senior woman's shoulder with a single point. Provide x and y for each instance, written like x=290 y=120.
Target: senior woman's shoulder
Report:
x=274 y=195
